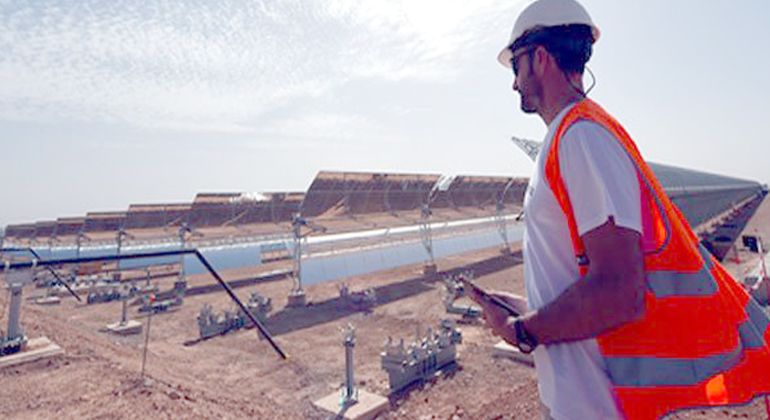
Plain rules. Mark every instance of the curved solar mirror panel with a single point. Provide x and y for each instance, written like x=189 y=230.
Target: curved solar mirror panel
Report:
x=319 y=269
x=224 y=257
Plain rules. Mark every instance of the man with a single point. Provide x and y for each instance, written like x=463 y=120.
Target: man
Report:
x=615 y=279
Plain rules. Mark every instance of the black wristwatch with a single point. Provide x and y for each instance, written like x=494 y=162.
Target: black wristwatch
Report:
x=526 y=341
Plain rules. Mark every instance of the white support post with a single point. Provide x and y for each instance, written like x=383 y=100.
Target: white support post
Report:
x=78 y=243
x=119 y=240
x=123 y=317
x=297 y=255
x=182 y=245
x=350 y=396
x=14 y=328
x=502 y=226
x=297 y=298
x=15 y=339
x=427 y=240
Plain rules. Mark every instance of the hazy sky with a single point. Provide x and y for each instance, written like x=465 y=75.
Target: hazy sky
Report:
x=108 y=103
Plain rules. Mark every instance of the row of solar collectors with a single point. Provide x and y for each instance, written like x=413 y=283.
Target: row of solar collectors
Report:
x=221 y=257
x=699 y=201
x=317 y=267
x=331 y=194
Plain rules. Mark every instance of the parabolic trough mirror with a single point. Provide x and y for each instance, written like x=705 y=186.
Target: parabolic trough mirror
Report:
x=397 y=249
x=222 y=257
x=324 y=258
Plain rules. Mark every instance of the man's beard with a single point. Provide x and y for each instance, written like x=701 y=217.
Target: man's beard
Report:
x=530 y=95
x=527 y=107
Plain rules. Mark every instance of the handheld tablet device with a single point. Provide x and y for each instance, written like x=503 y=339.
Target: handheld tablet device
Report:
x=487 y=297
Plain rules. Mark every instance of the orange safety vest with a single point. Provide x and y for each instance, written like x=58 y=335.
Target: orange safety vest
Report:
x=702 y=341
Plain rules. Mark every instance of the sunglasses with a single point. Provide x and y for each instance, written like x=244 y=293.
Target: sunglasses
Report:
x=516 y=57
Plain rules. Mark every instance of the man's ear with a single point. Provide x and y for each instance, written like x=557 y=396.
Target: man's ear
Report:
x=541 y=58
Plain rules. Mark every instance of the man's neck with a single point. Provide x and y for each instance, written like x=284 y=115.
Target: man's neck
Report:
x=562 y=95
x=550 y=112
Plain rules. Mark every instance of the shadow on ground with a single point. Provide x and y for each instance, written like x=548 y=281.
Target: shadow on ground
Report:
x=288 y=320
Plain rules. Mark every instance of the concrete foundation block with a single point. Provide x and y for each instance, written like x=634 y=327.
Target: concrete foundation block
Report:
x=40 y=348
x=129 y=328
x=367 y=407
x=503 y=349
x=48 y=300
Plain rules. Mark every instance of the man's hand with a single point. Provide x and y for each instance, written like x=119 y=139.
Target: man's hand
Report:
x=496 y=317
x=517 y=302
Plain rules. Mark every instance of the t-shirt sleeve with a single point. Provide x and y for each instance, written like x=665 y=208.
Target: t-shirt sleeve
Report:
x=600 y=178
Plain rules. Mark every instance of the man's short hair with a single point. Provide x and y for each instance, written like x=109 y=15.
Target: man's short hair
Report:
x=570 y=45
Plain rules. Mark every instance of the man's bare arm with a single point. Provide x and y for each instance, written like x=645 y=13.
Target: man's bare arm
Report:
x=610 y=295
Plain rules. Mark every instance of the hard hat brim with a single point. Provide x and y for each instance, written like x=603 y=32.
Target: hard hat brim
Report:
x=505 y=57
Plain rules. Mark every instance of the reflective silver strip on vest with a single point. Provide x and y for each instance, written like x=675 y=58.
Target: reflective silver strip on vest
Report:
x=752 y=331
x=706 y=255
x=657 y=371
x=674 y=283
x=652 y=371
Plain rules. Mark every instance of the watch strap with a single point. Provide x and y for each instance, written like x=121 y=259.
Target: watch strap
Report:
x=526 y=341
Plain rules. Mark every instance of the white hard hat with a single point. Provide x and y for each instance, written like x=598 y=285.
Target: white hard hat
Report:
x=545 y=13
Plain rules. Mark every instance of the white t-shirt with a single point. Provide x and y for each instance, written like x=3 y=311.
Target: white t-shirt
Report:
x=601 y=182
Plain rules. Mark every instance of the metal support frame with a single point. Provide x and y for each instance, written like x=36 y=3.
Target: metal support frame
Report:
x=14 y=339
x=502 y=225
x=500 y=220
x=182 y=233
x=297 y=295
x=123 y=314
x=350 y=396
x=50 y=270
x=530 y=147
x=18 y=267
x=454 y=291
x=119 y=240
x=421 y=359
x=297 y=223
x=426 y=235
x=14 y=328
x=79 y=242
